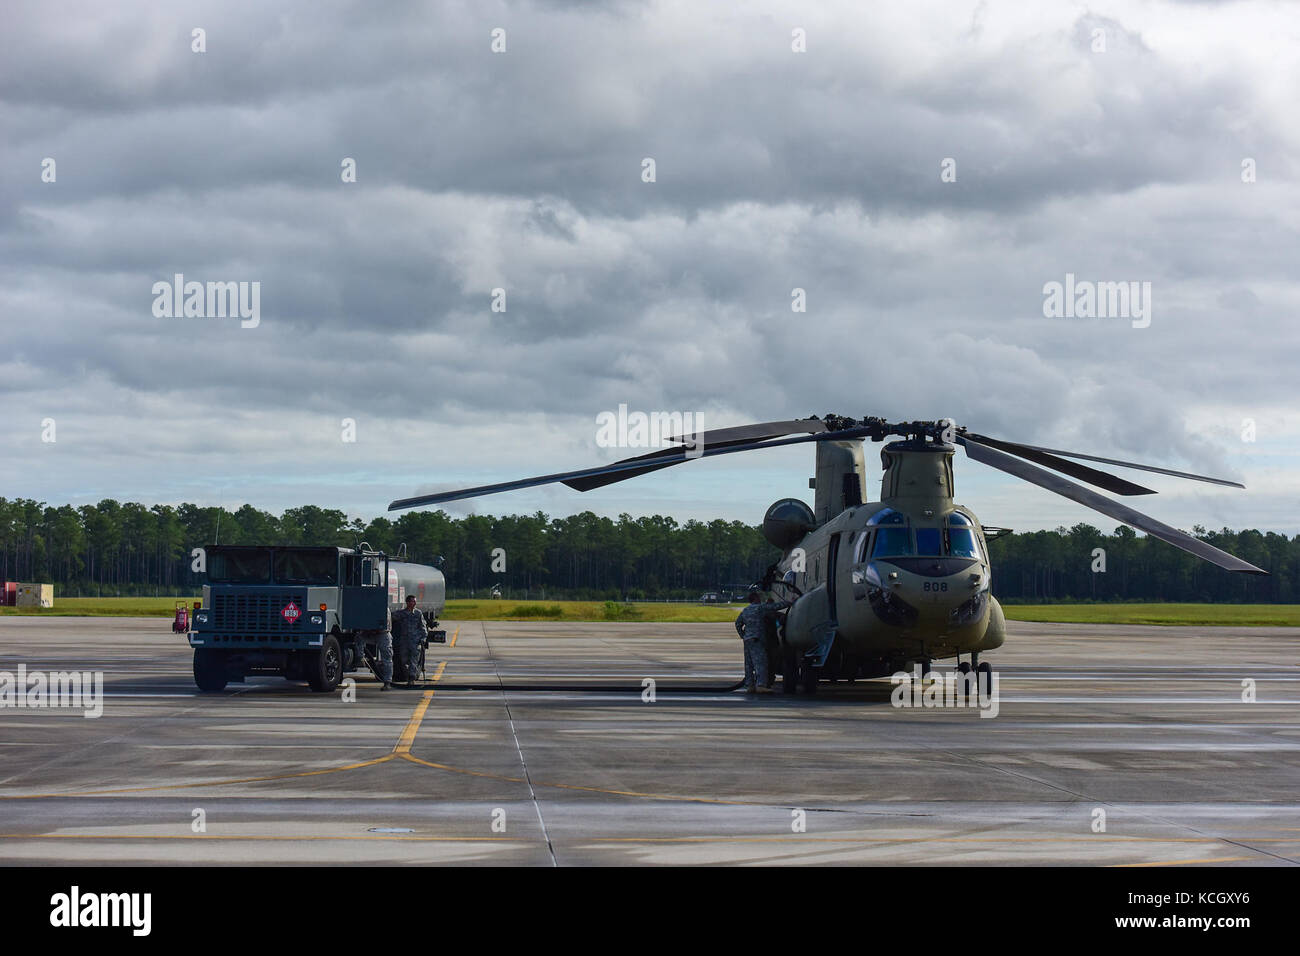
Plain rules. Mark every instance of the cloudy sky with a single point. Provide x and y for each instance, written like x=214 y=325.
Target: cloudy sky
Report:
x=1113 y=141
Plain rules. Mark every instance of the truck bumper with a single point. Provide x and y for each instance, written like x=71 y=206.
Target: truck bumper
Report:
x=243 y=642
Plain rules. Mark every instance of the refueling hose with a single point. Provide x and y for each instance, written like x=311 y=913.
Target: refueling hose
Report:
x=595 y=688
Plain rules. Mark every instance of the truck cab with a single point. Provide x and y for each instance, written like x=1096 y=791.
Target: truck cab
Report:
x=305 y=613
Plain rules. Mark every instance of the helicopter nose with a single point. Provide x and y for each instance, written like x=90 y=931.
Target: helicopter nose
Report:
x=903 y=591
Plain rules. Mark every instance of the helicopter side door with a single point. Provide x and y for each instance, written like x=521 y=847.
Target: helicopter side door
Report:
x=813 y=619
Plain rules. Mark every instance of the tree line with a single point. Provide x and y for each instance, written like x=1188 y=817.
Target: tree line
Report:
x=115 y=548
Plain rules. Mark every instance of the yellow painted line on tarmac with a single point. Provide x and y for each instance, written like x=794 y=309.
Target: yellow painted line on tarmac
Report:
x=403 y=745
x=460 y=770
x=403 y=750
x=404 y=742
x=567 y=786
x=895 y=841
x=399 y=838
x=453 y=638
x=407 y=739
x=206 y=783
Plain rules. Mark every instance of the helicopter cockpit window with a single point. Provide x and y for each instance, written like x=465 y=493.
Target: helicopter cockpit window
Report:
x=961 y=543
x=860 y=546
x=929 y=541
x=887 y=516
x=892 y=542
x=957 y=518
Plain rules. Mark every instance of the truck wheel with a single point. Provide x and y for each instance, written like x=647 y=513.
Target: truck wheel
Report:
x=209 y=670
x=325 y=667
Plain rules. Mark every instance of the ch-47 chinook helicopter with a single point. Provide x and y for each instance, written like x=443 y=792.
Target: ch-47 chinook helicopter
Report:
x=879 y=586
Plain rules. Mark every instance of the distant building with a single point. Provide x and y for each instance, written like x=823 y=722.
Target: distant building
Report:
x=34 y=595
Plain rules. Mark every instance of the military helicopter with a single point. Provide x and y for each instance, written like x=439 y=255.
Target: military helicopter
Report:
x=877 y=587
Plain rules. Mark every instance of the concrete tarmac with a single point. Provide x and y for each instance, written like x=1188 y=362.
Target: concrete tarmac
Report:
x=1112 y=745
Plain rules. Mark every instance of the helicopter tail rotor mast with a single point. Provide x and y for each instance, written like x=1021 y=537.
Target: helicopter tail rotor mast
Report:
x=1022 y=461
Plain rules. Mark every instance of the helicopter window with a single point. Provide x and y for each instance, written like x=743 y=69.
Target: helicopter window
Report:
x=957 y=518
x=929 y=541
x=961 y=543
x=860 y=546
x=892 y=541
x=887 y=516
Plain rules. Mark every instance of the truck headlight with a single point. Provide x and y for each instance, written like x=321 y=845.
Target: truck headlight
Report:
x=317 y=619
x=201 y=617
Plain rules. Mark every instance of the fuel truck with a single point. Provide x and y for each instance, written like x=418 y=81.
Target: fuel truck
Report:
x=302 y=613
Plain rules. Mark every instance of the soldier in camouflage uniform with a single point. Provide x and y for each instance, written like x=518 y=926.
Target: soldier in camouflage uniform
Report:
x=411 y=631
x=750 y=625
x=384 y=647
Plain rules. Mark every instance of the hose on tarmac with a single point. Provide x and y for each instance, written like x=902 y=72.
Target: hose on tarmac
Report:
x=593 y=688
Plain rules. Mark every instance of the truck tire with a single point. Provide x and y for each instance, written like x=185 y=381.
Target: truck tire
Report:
x=325 y=667
x=210 y=670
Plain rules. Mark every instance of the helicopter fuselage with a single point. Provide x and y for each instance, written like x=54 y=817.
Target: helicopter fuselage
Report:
x=886 y=584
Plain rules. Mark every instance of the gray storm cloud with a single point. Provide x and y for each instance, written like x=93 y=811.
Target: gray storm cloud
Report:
x=522 y=171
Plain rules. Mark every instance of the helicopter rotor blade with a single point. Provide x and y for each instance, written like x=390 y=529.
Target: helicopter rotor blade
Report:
x=1133 y=464
x=1045 y=479
x=654 y=461
x=1102 y=479
x=637 y=465
x=756 y=432
x=717 y=438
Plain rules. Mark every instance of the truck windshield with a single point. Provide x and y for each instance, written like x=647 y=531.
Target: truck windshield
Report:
x=239 y=567
x=306 y=567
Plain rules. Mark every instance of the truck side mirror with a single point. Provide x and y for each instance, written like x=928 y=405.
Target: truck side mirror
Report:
x=439 y=561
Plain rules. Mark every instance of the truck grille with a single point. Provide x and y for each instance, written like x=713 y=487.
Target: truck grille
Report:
x=256 y=612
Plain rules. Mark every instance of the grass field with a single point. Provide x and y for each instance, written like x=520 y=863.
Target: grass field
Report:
x=586 y=611
x=103 y=607
x=1236 y=615
x=1240 y=615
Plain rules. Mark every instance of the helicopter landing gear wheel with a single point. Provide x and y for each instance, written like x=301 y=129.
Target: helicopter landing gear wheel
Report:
x=984 y=678
x=808 y=678
x=963 y=667
x=789 y=672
